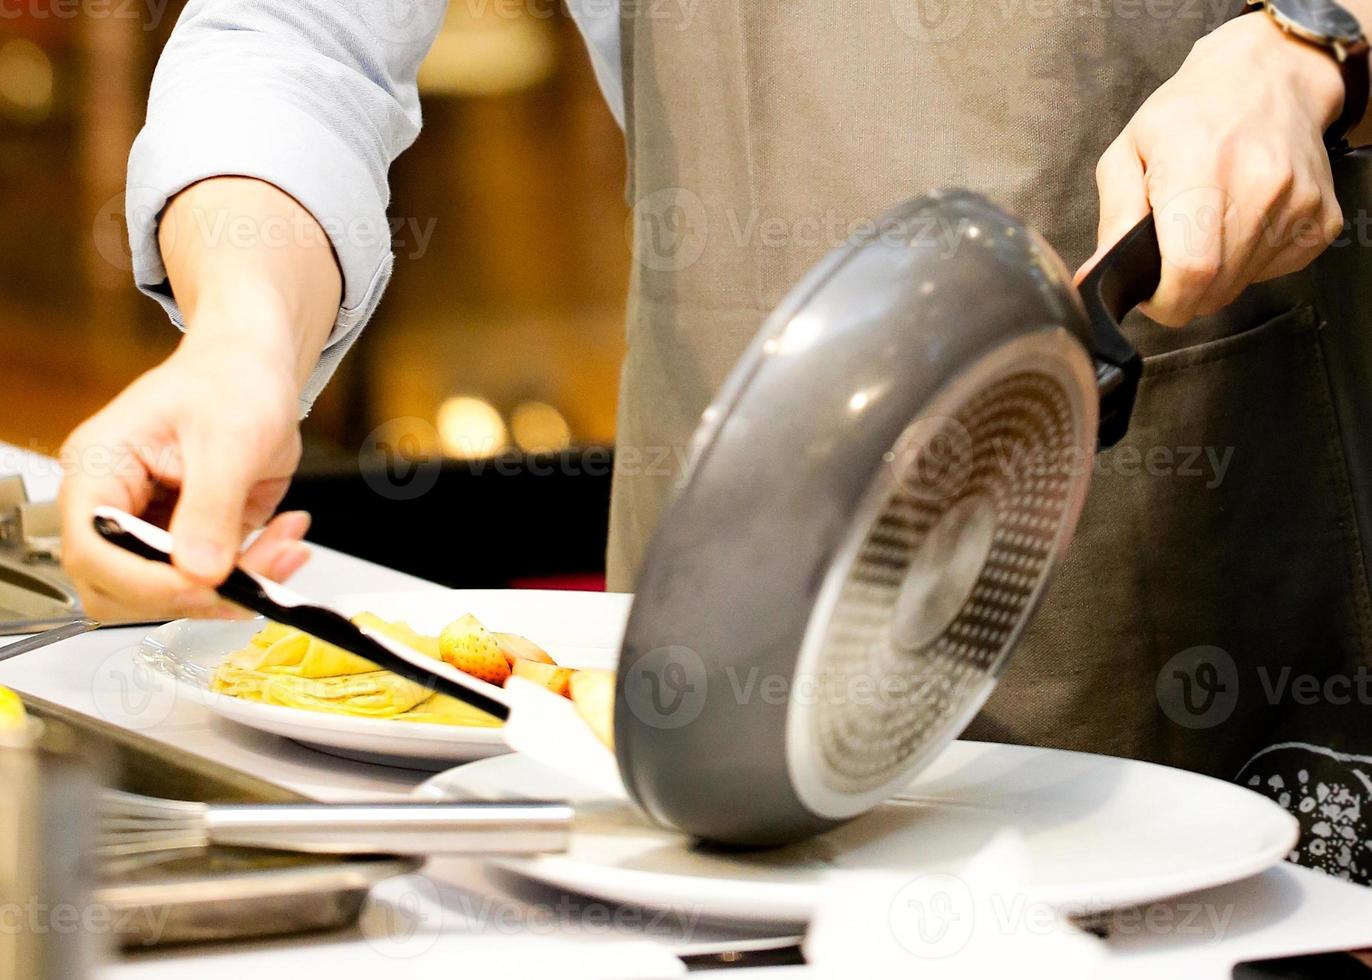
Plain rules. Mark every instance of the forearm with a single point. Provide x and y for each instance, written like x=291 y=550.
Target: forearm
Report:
x=313 y=97
x=249 y=266
x=1229 y=156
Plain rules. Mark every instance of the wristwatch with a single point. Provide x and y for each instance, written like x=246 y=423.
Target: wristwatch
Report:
x=1328 y=25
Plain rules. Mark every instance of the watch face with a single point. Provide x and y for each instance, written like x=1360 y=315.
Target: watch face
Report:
x=1318 y=19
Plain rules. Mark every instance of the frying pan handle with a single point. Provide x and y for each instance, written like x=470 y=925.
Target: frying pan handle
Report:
x=1127 y=275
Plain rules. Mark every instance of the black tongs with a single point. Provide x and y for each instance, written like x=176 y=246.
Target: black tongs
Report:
x=282 y=605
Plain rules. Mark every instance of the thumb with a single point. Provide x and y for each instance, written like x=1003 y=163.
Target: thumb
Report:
x=207 y=525
x=1123 y=197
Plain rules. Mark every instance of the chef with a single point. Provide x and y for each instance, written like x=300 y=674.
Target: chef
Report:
x=1222 y=523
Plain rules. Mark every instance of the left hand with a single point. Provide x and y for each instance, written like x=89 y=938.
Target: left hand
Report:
x=1229 y=156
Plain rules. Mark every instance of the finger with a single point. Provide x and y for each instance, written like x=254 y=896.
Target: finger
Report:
x=116 y=585
x=290 y=561
x=292 y=525
x=1191 y=224
x=1246 y=249
x=111 y=582
x=208 y=522
x=1318 y=226
x=1285 y=263
x=1275 y=200
x=1123 y=197
x=98 y=472
x=106 y=608
x=262 y=502
x=120 y=586
x=278 y=552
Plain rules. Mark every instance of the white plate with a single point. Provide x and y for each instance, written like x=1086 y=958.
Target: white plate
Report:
x=1098 y=832
x=579 y=629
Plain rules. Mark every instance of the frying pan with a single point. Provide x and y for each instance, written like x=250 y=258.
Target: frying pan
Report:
x=877 y=499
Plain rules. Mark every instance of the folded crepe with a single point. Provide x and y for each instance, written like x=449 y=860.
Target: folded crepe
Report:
x=284 y=666
x=443 y=710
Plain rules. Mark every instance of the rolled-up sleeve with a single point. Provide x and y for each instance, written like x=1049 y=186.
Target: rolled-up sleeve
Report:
x=315 y=96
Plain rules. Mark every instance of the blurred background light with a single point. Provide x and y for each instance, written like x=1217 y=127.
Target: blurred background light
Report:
x=471 y=428
x=538 y=427
x=488 y=55
x=503 y=326
x=26 y=81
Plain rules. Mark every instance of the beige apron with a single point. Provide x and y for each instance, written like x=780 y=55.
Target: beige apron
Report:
x=761 y=132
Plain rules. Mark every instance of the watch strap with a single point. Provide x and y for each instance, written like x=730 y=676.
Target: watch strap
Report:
x=1357 y=88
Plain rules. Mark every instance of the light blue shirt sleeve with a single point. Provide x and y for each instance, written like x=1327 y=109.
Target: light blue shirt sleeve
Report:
x=315 y=96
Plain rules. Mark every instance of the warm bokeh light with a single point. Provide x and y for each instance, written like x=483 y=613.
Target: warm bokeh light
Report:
x=471 y=428
x=488 y=55
x=25 y=80
x=538 y=427
x=511 y=268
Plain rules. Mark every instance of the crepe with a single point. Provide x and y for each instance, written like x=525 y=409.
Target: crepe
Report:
x=286 y=667
x=443 y=710
x=280 y=650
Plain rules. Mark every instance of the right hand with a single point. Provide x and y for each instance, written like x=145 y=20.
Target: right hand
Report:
x=214 y=426
x=212 y=433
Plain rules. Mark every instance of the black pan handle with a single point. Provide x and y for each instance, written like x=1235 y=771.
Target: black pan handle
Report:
x=244 y=589
x=1127 y=275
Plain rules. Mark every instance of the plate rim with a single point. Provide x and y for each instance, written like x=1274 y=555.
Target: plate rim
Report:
x=226 y=706
x=794 y=903
x=391 y=739
x=234 y=709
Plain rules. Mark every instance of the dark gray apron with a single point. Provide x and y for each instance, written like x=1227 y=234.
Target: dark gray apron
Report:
x=1219 y=550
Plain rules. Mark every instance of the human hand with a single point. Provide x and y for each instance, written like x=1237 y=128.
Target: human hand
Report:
x=207 y=441
x=1228 y=154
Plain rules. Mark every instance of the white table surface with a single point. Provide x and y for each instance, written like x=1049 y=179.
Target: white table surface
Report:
x=459 y=916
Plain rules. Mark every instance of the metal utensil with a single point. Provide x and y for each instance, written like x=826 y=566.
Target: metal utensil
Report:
x=147 y=828
x=31 y=598
x=220 y=894
x=55 y=634
x=282 y=605
x=879 y=495
x=49 y=780
x=538 y=722
x=49 y=632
